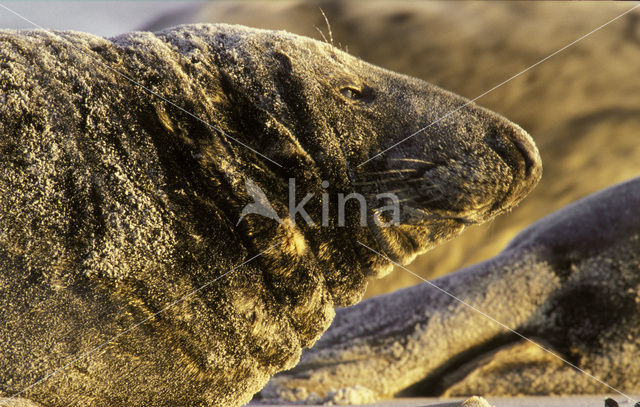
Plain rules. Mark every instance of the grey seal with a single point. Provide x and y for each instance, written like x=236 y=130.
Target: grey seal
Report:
x=570 y=282
x=116 y=204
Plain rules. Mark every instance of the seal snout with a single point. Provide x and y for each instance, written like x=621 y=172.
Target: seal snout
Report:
x=518 y=150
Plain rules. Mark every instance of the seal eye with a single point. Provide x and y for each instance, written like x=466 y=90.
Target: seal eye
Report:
x=351 y=93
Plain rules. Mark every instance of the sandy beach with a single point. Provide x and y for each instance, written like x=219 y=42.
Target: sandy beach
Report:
x=553 y=401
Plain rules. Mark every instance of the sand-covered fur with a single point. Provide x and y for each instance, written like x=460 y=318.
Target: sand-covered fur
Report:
x=114 y=204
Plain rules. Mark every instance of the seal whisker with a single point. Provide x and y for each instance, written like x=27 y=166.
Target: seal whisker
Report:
x=326 y=20
x=413 y=160
x=388 y=180
x=390 y=171
x=322 y=34
x=396 y=192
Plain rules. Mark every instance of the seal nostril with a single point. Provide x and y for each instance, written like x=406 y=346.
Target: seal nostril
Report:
x=518 y=151
x=496 y=139
x=524 y=148
x=512 y=145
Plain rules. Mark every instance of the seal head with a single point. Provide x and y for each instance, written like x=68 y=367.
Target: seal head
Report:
x=373 y=132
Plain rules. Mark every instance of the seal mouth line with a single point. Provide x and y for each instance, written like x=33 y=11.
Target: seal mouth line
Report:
x=147 y=319
x=500 y=84
x=489 y=317
x=146 y=89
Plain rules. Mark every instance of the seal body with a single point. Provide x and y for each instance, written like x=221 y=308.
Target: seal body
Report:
x=126 y=277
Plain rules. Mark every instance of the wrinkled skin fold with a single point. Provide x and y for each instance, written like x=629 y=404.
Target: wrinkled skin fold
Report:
x=570 y=283
x=114 y=204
